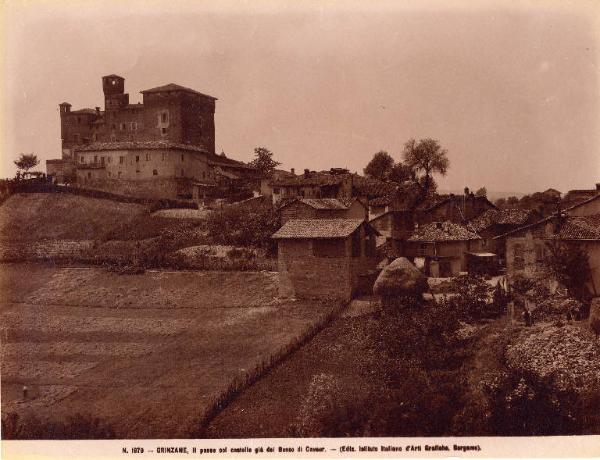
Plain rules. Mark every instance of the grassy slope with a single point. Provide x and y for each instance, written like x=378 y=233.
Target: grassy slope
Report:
x=40 y=216
x=145 y=352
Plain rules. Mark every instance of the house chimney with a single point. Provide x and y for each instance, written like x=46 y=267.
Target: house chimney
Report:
x=293 y=171
x=598 y=186
x=306 y=172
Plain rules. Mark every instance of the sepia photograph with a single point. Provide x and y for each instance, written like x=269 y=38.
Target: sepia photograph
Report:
x=357 y=228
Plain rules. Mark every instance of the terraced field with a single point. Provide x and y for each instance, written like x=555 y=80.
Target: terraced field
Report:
x=145 y=352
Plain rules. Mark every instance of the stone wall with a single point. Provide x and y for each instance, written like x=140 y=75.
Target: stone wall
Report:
x=303 y=275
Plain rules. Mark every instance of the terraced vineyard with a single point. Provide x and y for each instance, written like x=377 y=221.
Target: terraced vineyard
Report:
x=147 y=353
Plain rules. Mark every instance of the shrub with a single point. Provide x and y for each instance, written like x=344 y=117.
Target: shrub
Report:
x=473 y=298
x=238 y=225
x=78 y=426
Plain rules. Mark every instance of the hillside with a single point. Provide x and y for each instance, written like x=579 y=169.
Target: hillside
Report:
x=40 y=216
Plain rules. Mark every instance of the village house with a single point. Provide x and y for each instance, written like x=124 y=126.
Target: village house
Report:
x=496 y=222
x=323 y=208
x=335 y=183
x=453 y=208
x=326 y=258
x=444 y=247
x=573 y=197
x=527 y=248
x=156 y=148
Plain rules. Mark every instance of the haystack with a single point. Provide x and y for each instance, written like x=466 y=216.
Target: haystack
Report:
x=400 y=280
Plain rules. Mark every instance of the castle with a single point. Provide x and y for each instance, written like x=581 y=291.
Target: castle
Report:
x=159 y=148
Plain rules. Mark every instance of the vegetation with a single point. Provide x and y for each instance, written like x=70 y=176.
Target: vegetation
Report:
x=26 y=161
x=474 y=298
x=422 y=160
x=264 y=161
x=380 y=166
x=481 y=192
x=570 y=266
x=78 y=426
x=240 y=225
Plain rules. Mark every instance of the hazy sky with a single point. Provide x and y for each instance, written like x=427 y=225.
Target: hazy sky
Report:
x=513 y=93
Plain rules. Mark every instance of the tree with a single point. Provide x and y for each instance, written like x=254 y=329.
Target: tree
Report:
x=381 y=165
x=500 y=202
x=570 y=266
x=26 y=161
x=481 y=192
x=400 y=173
x=425 y=158
x=264 y=161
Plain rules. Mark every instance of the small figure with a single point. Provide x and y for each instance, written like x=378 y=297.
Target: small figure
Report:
x=569 y=316
x=527 y=318
x=25 y=391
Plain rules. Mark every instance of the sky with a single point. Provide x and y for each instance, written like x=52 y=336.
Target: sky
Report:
x=511 y=89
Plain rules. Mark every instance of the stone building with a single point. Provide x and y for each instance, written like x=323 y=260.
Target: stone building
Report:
x=527 y=247
x=496 y=222
x=444 y=247
x=151 y=148
x=326 y=258
x=322 y=208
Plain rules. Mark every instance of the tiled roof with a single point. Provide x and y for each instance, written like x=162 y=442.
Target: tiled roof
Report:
x=85 y=111
x=323 y=203
x=112 y=75
x=580 y=228
x=313 y=179
x=443 y=231
x=224 y=162
x=174 y=87
x=439 y=200
x=381 y=200
x=318 y=228
x=367 y=186
x=499 y=216
x=137 y=145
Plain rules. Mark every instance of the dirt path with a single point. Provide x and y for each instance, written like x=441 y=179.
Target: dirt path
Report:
x=486 y=363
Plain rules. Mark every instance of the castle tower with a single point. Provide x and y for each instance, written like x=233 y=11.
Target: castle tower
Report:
x=114 y=92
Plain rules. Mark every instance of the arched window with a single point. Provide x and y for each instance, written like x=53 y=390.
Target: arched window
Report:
x=154 y=172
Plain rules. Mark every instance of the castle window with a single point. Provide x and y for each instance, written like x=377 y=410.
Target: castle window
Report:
x=109 y=159
x=163 y=131
x=89 y=175
x=121 y=160
x=147 y=157
x=119 y=174
x=154 y=172
x=102 y=160
x=113 y=137
x=182 y=157
x=82 y=159
x=133 y=126
x=137 y=158
x=163 y=156
x=164 y=117
x=122 y=126
x=95 y=158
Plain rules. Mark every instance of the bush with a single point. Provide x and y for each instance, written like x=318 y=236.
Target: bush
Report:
x=78 y=426
x=474 y=298
x=238 y=225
